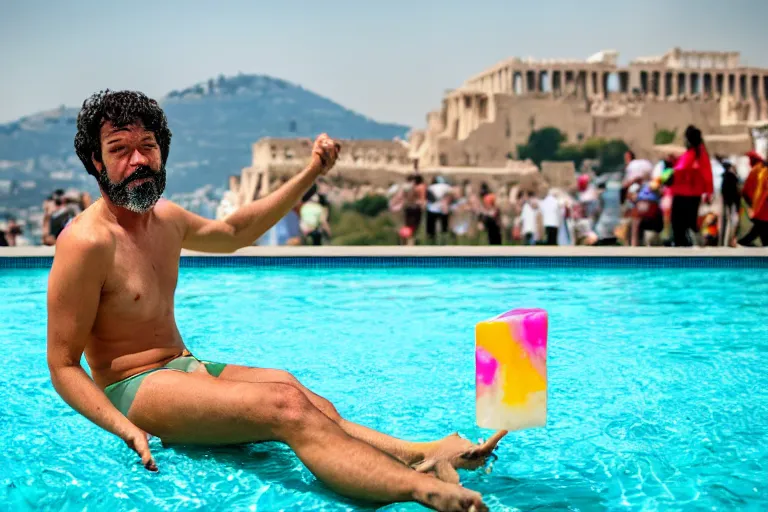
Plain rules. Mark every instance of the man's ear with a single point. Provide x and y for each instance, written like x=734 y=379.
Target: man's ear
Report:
x=96 y=162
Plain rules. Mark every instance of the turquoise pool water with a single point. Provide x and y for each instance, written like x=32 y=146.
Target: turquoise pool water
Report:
x=658 y=387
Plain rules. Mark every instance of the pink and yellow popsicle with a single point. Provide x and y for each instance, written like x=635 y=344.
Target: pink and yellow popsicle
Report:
x=511 y=370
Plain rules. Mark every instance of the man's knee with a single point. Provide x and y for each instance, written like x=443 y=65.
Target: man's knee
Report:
x=288 y=409
x=286 y=378
x=319 y=402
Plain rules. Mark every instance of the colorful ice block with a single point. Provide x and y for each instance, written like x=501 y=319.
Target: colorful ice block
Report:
x=511 y=370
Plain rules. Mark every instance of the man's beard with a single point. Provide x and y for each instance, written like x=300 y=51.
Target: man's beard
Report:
x=139 y=198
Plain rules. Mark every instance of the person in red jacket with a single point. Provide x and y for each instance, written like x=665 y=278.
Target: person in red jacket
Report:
x=755 y=192
x=692 y=180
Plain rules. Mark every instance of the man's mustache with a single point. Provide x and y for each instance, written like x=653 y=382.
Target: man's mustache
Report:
x=141 y=172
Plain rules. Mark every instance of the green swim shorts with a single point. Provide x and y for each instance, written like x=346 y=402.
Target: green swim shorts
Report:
x=122 y=393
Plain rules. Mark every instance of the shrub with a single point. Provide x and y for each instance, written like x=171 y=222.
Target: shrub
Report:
x=369 y=206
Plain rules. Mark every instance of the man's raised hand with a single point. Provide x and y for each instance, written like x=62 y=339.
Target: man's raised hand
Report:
x=325 y=151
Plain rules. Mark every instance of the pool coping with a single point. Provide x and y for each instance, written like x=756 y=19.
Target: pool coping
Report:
x=447 y=251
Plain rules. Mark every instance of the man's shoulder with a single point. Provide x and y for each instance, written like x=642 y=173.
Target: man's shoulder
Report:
x=85 y=234
x=172 y=214
x=167 y=210
x=166 y=207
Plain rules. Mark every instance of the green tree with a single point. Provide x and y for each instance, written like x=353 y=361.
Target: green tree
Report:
x=592 y=147
x=548 y=144
x=610 y=153
x=570 y=153
x=542 y=145
x=664 y=136
x=612 y=156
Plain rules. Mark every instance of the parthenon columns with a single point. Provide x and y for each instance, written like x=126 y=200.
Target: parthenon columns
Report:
x=555 y=80
x=675 y=86
x=592 y=81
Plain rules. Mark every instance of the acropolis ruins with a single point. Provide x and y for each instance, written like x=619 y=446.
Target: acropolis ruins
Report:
x=476 y=132
x=484 y=119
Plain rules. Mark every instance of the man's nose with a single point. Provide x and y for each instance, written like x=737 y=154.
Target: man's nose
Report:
x=138 y=158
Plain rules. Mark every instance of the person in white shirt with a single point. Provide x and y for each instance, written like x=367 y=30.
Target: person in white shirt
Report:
x=550 y=216
x=439 y=199
x=527 y=219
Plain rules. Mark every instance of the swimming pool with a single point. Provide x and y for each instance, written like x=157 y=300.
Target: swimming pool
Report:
x=658 y=386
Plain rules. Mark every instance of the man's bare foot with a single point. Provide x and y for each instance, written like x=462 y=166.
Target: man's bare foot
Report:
x=443 y=457
x=462 y=453
x=450 y=498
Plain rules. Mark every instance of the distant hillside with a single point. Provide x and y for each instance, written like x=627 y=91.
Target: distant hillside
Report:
x=214 y=124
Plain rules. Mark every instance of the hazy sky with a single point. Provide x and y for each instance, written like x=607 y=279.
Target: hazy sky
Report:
x=388 y=60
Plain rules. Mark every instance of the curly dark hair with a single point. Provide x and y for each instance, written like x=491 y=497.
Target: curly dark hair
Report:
x=121 y=108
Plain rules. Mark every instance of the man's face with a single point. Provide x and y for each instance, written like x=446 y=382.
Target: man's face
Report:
x=131 y=173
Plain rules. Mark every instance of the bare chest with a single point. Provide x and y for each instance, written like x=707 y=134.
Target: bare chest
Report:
x=139 y=290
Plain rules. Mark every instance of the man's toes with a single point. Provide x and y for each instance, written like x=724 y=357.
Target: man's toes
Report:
x=425 y=466
x=493 y=442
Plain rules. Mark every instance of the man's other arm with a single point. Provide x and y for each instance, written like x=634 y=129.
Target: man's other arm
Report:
x=74 y=289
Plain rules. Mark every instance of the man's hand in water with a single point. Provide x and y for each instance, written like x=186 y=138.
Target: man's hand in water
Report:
x=325 y=151
x=136 y=439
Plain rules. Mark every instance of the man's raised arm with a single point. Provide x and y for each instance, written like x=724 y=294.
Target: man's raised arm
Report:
x=246 y=225
x=74 y=289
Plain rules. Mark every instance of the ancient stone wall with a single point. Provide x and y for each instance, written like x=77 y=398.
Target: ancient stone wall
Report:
x=639 y=131
x=373 y=165
x=523 y=115
x=490 y=143
x=487 y=146
x=362 y=153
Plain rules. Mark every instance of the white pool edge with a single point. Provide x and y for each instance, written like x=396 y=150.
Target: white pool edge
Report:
x=447 y=251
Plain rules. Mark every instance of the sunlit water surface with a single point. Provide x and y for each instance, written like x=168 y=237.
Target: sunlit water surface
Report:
x=658 y=387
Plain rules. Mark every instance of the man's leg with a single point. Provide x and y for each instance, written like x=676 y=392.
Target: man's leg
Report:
x=463 y=453
x=196 y=408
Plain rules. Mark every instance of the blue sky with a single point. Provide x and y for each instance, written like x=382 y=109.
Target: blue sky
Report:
x=388 y=60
